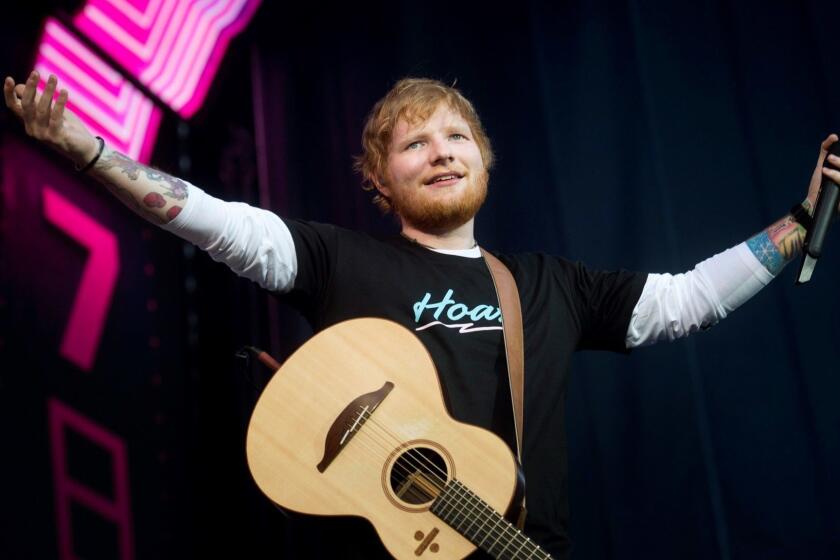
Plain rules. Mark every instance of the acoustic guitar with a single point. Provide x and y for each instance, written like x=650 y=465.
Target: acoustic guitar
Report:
x=354 y=423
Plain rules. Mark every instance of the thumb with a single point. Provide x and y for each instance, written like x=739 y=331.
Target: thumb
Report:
x=824 y=147
x=832 y=138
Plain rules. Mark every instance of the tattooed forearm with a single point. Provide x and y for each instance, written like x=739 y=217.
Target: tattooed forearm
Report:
x=154 y=195
x=173 y=212
x=130 y=200
x=111 y=159
x=779 y=244
x=175 y=187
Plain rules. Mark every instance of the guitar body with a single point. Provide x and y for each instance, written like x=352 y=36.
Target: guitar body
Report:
x=354 y=424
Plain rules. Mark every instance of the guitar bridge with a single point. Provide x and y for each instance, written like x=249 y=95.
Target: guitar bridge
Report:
x=350 y=421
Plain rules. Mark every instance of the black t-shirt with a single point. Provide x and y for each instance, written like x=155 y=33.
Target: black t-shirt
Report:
x=450 y=303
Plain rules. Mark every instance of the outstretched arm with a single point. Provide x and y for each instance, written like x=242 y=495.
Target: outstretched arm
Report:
x=254 y=243
x=782 y=241
x=674 y=306
x=154 y=195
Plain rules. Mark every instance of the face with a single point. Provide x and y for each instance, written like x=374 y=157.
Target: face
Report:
x=435 y=179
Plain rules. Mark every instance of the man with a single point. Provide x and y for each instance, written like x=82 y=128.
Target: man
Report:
x=427 y=158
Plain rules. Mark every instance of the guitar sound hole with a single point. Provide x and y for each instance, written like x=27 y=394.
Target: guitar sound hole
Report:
x=418 y=475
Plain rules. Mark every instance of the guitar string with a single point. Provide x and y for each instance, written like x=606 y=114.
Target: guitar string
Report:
x=525 y=540
x=505 y=525
x=459 y=499
x=499 y=526
x=388 y=447
x=464 y=499
x=496 y=529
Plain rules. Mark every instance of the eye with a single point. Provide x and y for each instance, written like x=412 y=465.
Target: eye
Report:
x=414 y=145
x=457 y=136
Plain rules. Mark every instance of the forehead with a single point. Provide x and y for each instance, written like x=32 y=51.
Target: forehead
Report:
x=442 y=117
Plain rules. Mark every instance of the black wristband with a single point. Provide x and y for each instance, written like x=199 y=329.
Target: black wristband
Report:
x=801 y=215
x=92 y=162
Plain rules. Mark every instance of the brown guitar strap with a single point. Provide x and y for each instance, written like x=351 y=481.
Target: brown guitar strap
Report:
x=508 y=296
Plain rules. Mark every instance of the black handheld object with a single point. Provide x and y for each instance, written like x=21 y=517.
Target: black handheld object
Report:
x=823 y=215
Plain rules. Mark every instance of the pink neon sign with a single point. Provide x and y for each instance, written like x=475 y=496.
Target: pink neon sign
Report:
x=68 y=490
x=173 y=47
x=93 y=298
x=107 y=103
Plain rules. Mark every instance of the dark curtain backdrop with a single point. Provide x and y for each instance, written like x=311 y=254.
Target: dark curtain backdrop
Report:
x=640 y=135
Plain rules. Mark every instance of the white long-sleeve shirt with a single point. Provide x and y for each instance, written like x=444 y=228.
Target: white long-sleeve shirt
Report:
x=256 y=244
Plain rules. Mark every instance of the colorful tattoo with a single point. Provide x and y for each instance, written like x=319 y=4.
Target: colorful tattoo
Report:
x=779 y=244
x=175 y=187
x=111 y=159
x=163 y=186
x=154 y=200
x=766 y=253
x=789 y=238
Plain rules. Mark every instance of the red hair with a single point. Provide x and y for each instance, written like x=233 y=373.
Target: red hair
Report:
x=412 y=99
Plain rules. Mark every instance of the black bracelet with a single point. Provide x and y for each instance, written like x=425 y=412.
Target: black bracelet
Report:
x=801 y=215
x=92 y=162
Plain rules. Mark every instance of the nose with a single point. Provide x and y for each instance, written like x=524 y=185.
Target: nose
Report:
x=441 y=152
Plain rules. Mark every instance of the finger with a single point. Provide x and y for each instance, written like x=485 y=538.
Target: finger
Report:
x=43 y=108
x=834 y=160
x=10 y=97
x=58 y=109
x=826 y=144
x=28 y=97
x=832 y=174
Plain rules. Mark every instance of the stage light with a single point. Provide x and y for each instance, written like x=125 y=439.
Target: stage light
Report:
x=173 y=48
x=102 y=98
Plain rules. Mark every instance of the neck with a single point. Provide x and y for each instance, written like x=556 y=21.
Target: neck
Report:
x=459 y=238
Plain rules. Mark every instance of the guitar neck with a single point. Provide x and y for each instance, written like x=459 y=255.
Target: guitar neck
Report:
x=483 y=526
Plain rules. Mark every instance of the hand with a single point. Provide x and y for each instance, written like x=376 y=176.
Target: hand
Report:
x=50 y=122
x=819 y=172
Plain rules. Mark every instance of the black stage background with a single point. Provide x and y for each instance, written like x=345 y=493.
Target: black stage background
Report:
x=644 y=135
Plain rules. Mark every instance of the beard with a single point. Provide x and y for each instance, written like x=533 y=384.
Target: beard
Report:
x=436 y=214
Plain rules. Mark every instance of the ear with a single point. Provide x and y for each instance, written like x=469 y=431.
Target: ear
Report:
x=381 y=188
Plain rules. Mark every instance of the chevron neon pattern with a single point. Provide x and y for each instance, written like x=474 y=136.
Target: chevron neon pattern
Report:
x=107 y=103
x=173 y=47
x=99 y=278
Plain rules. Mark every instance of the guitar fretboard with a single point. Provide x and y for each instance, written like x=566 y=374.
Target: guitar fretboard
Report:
x=472 y=517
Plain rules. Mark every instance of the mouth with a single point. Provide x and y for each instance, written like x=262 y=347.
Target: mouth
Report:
x=444 y=179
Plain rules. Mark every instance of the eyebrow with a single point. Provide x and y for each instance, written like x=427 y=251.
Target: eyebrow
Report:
x=460 y=128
